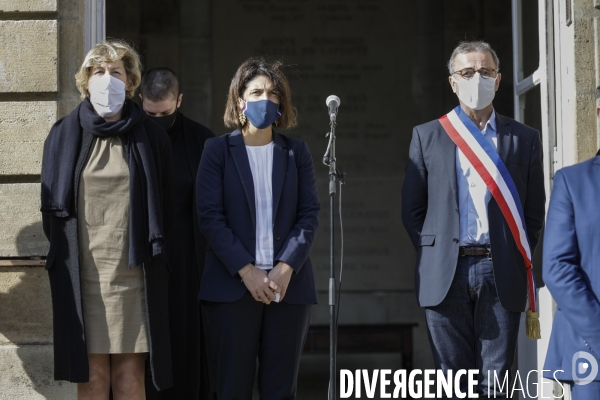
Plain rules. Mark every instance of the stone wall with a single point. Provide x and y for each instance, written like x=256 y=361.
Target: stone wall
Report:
x=586 y=23
x=41 y=47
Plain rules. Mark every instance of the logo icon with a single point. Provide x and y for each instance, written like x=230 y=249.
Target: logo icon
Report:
x=582 y=368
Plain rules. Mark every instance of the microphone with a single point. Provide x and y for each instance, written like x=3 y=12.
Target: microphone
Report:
x=333 y=102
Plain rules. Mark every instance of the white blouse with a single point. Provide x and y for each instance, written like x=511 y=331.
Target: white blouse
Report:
x=261 y=164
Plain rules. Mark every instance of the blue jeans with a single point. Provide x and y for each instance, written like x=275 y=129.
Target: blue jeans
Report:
x=470 y=329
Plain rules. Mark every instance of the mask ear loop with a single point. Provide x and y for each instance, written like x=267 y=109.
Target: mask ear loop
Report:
x=175 y=118
x=455 y=81
x=278 y=120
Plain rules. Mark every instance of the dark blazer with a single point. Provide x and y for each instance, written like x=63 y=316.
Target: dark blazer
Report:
x=431 y=218
x=62 y=263
x=226 y=208
x=572 y=266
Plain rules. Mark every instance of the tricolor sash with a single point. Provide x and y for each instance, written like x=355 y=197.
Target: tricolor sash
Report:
x=490 y=167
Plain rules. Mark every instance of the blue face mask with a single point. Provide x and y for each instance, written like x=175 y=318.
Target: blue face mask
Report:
x=262 y=113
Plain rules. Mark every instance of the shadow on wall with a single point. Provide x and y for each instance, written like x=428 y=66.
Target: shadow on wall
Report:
x=26 y=321
x=31 y=241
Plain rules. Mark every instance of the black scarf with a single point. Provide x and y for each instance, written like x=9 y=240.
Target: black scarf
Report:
x=61 y=151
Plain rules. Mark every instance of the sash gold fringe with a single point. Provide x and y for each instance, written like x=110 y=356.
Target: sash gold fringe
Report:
x=532 y=325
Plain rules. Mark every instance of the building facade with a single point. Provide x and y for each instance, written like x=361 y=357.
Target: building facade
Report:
x=385 y=59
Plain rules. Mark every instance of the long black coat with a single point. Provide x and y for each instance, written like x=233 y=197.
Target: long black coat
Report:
x=62 y=263
x=193 y=370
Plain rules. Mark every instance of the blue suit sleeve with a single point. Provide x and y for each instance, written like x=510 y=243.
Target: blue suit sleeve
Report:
x=414 y=190
x=211 y=213
x=298 y=244
x=562 y=272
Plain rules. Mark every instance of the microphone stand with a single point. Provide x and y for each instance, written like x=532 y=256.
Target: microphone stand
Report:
x=334 y=176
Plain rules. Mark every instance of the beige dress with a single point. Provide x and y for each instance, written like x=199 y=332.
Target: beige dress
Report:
x=114 y=310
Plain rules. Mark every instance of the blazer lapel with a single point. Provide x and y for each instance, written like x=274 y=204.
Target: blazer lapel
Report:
x=279 y=169
x=449 y=153
x=504 y=135
x=242 y=164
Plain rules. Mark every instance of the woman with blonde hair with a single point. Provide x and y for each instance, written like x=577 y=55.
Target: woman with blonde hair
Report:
x=106 y=203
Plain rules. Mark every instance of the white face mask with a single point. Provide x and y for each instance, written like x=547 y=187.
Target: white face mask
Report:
x=107 y=94
x=477 y=93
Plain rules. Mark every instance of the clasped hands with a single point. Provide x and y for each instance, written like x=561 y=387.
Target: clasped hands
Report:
x=264 y=286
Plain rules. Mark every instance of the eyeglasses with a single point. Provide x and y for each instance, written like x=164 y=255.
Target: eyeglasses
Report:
x=468 y=73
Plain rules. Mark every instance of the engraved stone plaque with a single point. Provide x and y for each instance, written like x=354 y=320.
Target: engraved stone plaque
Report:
x=358 y=50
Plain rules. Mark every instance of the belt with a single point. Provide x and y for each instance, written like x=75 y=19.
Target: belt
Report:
x=473 y=251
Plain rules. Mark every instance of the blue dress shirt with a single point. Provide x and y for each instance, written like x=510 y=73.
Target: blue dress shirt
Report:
x=473 y=194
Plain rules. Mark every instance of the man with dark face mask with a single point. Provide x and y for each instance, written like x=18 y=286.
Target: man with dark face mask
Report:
x=193 y=376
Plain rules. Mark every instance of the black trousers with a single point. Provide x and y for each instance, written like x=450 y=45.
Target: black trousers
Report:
x=246 y=329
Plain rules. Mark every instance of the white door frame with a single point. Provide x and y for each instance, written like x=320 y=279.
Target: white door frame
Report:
x=531 y=354
x=94 y=30
x=554 y=75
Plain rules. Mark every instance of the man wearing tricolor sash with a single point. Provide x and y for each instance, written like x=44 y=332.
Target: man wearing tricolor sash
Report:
x=473 y=204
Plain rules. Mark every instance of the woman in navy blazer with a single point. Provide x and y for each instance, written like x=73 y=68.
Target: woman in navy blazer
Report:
x=258 y=207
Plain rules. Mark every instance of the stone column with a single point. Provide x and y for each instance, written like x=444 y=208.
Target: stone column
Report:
x=586 y=24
